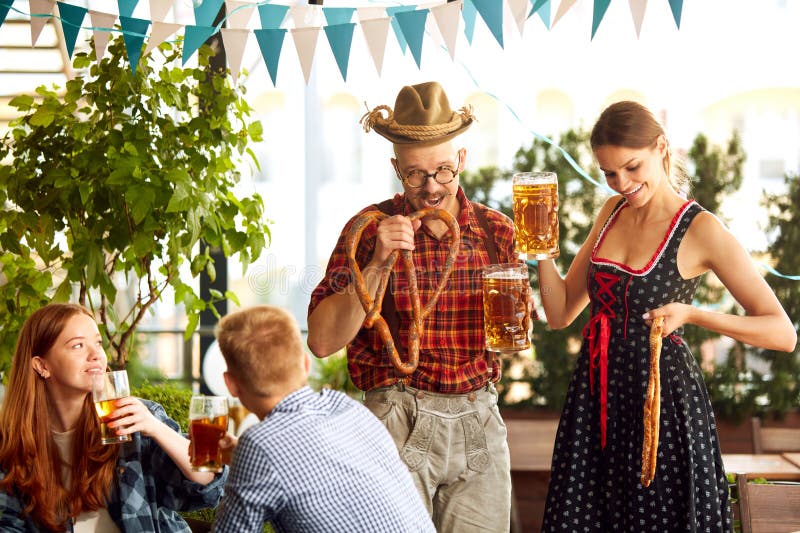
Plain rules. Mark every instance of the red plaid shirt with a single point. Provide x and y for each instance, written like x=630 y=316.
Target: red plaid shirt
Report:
x=451 y=358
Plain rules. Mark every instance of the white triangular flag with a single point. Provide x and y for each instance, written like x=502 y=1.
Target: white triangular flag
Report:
x=519 y=12
x=100 y=37
x=161 y=30
x=375 y=32
x=308 y=16
x=447 y=17
x=562 y=9
x=239 y=13
x=305 y=42
x=372 y=12
x=637 y=10
x=159 y=9
x=234 y=40
x=39 y=7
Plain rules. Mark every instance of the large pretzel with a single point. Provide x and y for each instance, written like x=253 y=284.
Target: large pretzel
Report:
x=373 y=307
x=652 y=406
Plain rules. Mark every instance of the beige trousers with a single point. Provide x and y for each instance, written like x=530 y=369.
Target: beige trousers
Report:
x=455 y=447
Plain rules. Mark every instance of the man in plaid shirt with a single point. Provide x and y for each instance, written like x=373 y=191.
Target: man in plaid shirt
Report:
x=443 y=417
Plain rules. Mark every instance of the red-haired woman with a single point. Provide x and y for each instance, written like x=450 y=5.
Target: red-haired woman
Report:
x=55 y=475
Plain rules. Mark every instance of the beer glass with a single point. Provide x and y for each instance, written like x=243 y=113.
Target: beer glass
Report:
x=237 y=413
x=536 y=214
x=107 y=387
x=208 y=422
x=506 y=307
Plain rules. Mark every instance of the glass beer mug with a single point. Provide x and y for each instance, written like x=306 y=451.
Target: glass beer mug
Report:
x=208 y=423
x=506 y=307
x=536 y=214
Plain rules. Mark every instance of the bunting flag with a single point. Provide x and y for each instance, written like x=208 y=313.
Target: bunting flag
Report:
x=270 y=41
x=638 y=8
x=470 y=15
x=599 y=11
x=305 y=42
x=392 y=12
x=519 y=9
x=41 y=12
x=676 y=6
x=127 y=7
x=272 y=15
x=375 y=33
x=71 y=21
x=563 y=7
x=542 y=8
x=5 y=5
x=338 y=15
x=159 y=9
x=491 y=11
x=100 y=37
x=194 y=38
x=412 y=24
x=133 y=32
x=340 y=37
x=447 y=17
x=161 y=31
x=206 y=11
x=238 y=13
x=235 y=41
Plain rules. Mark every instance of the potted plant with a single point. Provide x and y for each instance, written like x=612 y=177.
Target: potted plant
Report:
x=114 y=181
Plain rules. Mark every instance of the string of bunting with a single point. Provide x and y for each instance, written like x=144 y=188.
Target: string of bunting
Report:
x=304 y=23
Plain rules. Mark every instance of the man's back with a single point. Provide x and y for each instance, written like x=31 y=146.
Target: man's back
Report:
x=320 y=462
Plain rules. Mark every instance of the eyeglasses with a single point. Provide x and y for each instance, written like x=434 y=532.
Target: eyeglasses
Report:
x=417 y=178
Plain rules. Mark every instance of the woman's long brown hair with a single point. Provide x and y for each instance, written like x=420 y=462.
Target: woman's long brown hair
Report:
x=28 y=454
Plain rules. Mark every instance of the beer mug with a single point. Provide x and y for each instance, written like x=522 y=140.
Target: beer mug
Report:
x=107 y=387
x=208 y=422
x=506 y=307
x=536 y=214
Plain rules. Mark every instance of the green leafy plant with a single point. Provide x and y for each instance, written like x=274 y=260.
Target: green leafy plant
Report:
x=114 y=182
x=174 y=397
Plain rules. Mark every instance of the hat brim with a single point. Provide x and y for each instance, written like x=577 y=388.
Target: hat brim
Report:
x=395 y=138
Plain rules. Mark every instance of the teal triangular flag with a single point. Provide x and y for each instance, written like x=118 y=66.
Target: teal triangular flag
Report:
x=71 y=20
x=340 y=37
x=412 y=24
x=126 y=7
x=599 y=11
x=676 y=6
x=338 y=15
x=133 y=32
x=391 y=11
x=542 y=7
x=5 y=5
x=272 y=15
x=206 y=11
x=270 y=41
x=492 y=14
x=194 y=38
x=470 y=14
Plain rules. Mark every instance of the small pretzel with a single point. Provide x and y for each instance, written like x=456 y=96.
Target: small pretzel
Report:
x=652 y=406
x=373 y=307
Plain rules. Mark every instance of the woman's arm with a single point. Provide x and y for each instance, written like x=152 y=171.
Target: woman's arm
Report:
x=708 y=245
x=131 y=415
x=564 y=298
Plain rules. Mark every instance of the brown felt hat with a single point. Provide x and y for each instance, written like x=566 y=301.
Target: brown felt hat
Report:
x=421 y=116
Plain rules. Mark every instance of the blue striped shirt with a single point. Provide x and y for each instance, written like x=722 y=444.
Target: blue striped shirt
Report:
x=320 y=462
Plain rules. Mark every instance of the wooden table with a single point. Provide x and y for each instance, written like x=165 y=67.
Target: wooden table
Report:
x=530 y=443
x=793 y=458
x=769 y=465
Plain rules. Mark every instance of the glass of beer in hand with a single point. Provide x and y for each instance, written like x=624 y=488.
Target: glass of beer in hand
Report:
x=536 y=214
x=107 y=388
x=506 y=307
x=208 y=423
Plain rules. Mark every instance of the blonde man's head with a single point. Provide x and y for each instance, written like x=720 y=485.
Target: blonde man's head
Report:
x=263 y=349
